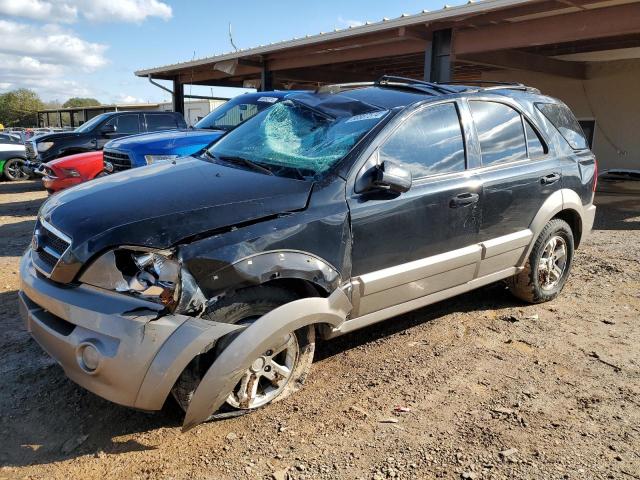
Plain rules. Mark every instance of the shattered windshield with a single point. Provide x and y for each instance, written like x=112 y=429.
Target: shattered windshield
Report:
x=293 y=135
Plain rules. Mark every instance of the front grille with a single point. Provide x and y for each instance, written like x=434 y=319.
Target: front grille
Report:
x=30 y=151
x=120 y=161
x=48 y=247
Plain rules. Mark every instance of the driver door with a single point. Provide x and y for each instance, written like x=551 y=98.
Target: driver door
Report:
x=123 y=125
x=409 y=245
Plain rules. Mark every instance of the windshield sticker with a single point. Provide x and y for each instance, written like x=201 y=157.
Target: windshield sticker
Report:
x=367 y=116
x=268 y=99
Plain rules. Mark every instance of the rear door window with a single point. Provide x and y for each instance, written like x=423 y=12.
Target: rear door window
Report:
x=127 y=124
x=500 y=132
x=562 y=118
x=161 y=121
x=428 y=143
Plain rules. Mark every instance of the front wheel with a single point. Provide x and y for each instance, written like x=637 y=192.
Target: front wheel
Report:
x=274 y=375
x=548 y=265
x=13 y=170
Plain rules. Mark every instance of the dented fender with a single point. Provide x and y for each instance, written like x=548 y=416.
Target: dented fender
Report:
x=193 y=337
x=269 y=330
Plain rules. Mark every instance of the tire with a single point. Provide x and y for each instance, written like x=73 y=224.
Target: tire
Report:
x=537 y=283
x=13 y=170
x=244 y=307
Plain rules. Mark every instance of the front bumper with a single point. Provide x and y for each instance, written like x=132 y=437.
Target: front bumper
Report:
x=142 y=353
x=56 y=184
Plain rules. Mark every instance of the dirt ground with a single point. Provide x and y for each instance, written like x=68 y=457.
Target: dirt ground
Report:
x=492 y=388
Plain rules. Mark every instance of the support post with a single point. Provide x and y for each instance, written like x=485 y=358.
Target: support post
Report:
x=59 y=119
x=266 y=79
x=437 y=58
x=178 y=96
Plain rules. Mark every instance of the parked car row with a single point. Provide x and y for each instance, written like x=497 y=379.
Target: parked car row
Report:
x=322 y=213
x=133 y=139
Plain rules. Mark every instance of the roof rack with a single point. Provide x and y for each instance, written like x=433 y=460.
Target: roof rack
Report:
x=420 y=85
x=493 y=85
x=337 y=87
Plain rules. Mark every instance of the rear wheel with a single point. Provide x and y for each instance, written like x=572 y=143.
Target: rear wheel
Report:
x=548 y=265
x=13 y=170
x=274 y=375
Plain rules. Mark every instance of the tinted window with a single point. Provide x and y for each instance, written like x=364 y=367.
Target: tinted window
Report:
x=500 y=132
x=127 y=124
x=161 y=121
x=428 y=143
x=535 y=147
x=562 y=118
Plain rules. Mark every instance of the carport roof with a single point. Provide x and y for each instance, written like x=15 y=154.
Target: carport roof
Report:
x=487 y=35
x=424 y=17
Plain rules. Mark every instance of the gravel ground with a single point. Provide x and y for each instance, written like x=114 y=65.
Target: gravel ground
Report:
x=480 y=386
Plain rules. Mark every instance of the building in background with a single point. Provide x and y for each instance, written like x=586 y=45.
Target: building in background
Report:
x=73 y=117
x=195 y=110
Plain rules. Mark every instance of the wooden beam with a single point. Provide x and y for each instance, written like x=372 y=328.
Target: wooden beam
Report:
x=209 y=73
x=350 y=55
x=359 y=41
x=519 y=60
x=570 y=27
x=324 y=75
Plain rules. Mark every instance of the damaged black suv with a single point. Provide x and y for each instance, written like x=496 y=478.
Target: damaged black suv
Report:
x=325 y=213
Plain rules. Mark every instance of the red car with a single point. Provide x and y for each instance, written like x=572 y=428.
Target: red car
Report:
x=69 y=171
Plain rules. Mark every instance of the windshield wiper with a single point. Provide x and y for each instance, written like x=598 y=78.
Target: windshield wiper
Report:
x=255 y=166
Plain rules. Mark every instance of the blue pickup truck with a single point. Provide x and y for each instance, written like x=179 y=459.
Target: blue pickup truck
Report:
x=148 y=148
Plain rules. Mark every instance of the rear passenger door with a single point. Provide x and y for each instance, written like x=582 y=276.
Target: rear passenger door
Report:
x=518 y=172
x=156 y=122
x=397 y=241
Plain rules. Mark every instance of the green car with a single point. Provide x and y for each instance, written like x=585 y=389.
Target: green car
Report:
x=12 y=157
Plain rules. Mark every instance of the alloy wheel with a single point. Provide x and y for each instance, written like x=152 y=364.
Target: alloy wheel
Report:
x=553 y=263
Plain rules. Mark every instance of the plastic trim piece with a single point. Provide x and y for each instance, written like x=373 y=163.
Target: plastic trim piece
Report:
x=268 y=331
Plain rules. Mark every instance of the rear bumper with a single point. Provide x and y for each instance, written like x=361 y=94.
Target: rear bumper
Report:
x=588 y=217
x=141 y=353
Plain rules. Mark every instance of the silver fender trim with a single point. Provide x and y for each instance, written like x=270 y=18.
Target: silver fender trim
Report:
x=269 y=330
x=559 y=200
x=193 y=337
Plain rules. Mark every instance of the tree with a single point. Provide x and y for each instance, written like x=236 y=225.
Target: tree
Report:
x=18 y=108
x=80 y=102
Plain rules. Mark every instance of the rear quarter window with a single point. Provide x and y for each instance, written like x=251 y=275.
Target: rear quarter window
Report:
x=564 y=120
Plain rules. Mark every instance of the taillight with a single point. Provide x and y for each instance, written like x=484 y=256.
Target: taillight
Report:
x=595 y=174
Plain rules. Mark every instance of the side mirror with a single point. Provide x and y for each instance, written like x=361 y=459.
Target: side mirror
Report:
x=107 y=129
x=393 y=177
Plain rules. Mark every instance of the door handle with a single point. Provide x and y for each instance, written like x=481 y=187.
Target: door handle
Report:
x=549 y=179
x=464 y=199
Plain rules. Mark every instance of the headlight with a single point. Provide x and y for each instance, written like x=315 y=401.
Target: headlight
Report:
x=44 y=146
x=151 y=275
x=70 y=172
x=150 y=159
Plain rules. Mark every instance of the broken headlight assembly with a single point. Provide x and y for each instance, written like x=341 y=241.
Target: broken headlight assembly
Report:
x=151 y=275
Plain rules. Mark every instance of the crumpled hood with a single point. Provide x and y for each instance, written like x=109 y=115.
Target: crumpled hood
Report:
x=159 y=205
x=171 y=142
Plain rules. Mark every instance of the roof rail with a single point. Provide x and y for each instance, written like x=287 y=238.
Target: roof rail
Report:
x=393 y=80
x=493 y=85
x=337 y=87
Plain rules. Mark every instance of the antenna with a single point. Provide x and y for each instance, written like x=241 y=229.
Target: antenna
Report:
x=231 y=38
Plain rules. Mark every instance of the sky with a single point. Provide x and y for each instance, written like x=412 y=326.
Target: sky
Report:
x=90 y=48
